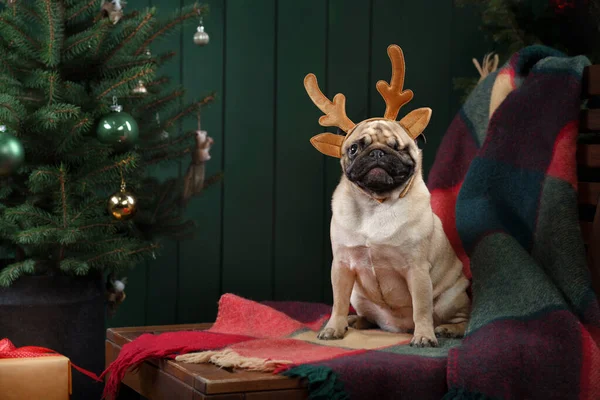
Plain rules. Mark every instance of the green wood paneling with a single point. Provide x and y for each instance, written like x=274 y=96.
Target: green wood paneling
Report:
x=162 y=288
x=249 y=148
x=200 y=257
x=426 y=38
x=263 y=232
x=347 y=72
x=469 y=43
x=388 y=20
x=298 y=238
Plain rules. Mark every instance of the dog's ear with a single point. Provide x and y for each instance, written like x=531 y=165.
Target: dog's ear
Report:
x=416 y=121
x=329 y=144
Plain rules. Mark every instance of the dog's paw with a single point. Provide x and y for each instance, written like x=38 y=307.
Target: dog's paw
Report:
x=451 y=330
x=335 y=329
x=424 y=340
x=358 y=322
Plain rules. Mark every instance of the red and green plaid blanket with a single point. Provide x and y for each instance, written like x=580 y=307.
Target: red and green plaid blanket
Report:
x=505 y=189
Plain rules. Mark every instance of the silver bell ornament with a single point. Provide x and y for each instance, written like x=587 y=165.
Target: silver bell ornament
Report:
x=164 y=135
x=201 y=38
x=140 y=89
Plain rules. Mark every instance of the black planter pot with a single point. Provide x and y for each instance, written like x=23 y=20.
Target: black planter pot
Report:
x=62 y=313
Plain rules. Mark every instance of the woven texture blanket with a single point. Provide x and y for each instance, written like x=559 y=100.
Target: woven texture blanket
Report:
x=505 y=190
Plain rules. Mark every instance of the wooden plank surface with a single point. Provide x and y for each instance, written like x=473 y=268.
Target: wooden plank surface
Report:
x=594 y=251
x=588 y=155
x=133 y=310
x=249 y=151
x=203 y=378
x=298 y=166
x=388 y=19
x=426 y=39
x=200 y=257
x=589 y=192
x=590 y=120
x=162 y=284
x=348 y=66
x=587 y=229
x=591 y=80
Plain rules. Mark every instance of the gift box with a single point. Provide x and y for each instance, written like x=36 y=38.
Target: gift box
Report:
x=47 y=378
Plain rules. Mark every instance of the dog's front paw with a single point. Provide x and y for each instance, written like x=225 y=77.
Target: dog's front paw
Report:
x=424 y=339
x=335 y=329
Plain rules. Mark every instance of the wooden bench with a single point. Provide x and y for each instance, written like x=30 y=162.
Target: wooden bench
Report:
x=171 y=380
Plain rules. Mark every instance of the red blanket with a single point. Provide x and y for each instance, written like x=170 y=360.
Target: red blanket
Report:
x=279 y=337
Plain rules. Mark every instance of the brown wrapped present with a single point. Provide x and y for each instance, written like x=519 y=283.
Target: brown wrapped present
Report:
x=47 y=378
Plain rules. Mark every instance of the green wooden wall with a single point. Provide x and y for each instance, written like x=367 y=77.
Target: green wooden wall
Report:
x=264 y=230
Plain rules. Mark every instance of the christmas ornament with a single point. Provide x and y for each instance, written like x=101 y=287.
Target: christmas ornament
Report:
x=140 y=89
x=201 y=38
x=123 y=204
x=115 y=293
x=117 y=128
x=114 y=9
x=12 y=153
x=193 y=182
x=164 y=135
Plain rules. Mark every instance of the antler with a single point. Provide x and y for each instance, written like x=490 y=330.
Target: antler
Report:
x=335 y=112
x=393 y=95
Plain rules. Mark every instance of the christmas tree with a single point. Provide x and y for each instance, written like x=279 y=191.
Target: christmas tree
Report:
x=571 y=26
x=84 y=118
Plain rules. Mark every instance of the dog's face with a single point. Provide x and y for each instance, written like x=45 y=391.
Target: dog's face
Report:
x=380 y=157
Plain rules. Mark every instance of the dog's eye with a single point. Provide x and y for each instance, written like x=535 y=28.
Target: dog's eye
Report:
x=353 y=149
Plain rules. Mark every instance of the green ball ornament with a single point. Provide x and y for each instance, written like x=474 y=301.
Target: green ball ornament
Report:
x=12 y=153
x=118 y=128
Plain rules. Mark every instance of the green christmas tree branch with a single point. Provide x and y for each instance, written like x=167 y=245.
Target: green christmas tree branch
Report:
x=14 y=271
x=61 y=64
x=80 y=9
x=140 y=26
x=187 y=13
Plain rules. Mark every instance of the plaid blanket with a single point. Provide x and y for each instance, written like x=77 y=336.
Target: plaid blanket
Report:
x=505 y=189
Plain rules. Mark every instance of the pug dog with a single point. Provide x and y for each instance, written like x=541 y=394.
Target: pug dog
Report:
x=391 y=258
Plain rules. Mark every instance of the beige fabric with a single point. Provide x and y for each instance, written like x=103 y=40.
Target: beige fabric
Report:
x=367 y=339
x=230 y=359
x=502 y=88
x=359 y=339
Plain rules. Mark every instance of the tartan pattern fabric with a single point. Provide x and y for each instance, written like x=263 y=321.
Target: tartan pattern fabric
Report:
x=505 y=189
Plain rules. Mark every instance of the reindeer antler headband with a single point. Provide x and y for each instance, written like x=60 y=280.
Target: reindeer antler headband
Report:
x=335 y=111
